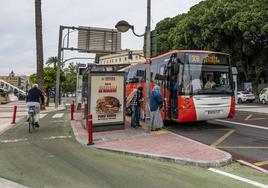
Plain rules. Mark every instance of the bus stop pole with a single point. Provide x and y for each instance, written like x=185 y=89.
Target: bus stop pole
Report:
x=148 y=66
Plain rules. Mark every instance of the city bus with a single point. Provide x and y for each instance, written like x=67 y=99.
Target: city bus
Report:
x=196 y=85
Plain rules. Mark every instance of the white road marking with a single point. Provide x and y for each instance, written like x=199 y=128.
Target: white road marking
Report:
x=4 y=183
x=67 y=104
x=25 y=139
x=42 y=115
x=239 y=178
x=14 y=141
x=253 y=166
x=242 y=147
x=57 y=121
x=247 y=106
x=242 y=124
x=56 y=137
x=58 y=115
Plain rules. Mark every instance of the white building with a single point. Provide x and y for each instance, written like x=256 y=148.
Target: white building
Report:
x=123 y=58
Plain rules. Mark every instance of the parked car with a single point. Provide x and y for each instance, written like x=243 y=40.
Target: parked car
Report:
x=244 y=96
x=263 y=96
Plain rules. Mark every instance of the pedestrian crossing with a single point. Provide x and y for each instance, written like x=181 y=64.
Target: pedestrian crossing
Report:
x=55 y=116
x=58 y=115
x=42 y=115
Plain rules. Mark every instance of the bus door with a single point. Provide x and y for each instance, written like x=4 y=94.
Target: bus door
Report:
x=162 y=77
x=169 y=85
x=173 y=87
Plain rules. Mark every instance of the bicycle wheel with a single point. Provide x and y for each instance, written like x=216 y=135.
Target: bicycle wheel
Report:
x=31 y=124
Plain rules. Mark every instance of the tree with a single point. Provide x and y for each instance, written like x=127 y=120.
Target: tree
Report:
x=52 y=61
x=163 y=29
x=239 y=28
x=39 y=44
x=49 y=80
x=69 y=85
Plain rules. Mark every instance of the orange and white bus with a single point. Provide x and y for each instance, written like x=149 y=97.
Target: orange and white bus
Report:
x=196 y=85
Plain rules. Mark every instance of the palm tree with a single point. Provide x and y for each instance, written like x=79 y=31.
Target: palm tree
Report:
x=39 y=45
x=52 y=61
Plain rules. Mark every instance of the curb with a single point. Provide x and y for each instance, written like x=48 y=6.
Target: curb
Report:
x=10 y=125
x=184 y=161
x=76 y=135
x=227 y=159
x=178 y=160
x=4 y=183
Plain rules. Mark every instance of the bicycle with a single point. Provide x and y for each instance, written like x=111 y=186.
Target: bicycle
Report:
x=32 y=113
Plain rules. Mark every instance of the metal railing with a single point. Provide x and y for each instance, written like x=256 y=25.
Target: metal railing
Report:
x=7 y=86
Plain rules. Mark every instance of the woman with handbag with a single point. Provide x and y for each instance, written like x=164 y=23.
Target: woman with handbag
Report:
x=156 y=102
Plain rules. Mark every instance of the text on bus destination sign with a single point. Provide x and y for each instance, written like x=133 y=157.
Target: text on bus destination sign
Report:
x=208 y=59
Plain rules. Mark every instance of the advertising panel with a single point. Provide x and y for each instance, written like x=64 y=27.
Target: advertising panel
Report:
x=248 y=86
x=107 y=98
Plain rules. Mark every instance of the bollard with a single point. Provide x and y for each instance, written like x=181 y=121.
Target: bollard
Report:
x=72 y=111
x=79 y=106
x=89 y=127
x=14 y=115
x=85 y=110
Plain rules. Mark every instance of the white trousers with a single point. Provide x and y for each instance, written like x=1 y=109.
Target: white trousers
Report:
x=37 y=110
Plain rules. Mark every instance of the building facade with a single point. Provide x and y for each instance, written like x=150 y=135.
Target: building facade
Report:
x=21 y=82
x=123 y=57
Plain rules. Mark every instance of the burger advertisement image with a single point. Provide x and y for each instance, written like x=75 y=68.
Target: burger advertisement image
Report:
x=107 y=99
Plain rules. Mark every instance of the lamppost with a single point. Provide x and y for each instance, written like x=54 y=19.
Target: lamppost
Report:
x=124 y=26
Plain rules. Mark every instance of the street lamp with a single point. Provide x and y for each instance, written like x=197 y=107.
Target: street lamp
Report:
x=124 y=26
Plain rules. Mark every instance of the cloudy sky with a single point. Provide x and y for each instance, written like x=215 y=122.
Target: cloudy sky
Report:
x=17 y=28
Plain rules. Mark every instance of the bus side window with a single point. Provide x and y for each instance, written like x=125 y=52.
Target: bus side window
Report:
x=162 y=70
x=141 y=75
x=131 y=75
x=154 y=72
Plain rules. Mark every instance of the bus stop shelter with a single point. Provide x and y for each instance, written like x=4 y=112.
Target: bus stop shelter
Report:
x=103 y=96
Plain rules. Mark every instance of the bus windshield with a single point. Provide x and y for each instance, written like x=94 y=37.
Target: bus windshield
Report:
x=201 y=76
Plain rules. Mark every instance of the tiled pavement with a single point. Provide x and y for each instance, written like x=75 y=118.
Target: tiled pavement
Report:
x=161 y=145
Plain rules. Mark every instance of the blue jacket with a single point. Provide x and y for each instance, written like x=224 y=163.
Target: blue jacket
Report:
x=35 y=95
x=155 y=101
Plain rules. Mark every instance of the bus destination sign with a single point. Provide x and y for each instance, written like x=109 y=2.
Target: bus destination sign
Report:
x=208 y=58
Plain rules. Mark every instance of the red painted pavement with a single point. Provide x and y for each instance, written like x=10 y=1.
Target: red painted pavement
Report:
x=164 y=144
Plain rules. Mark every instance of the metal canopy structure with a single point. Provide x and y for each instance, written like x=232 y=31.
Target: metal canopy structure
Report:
x=90 y=40
x=99 y=40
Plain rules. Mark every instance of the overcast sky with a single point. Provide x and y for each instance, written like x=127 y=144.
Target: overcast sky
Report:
x=17 y=28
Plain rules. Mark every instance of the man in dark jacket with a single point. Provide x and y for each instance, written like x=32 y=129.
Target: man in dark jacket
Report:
x=34 y=98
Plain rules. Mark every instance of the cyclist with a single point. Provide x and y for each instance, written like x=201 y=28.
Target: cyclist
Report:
x=34 y=97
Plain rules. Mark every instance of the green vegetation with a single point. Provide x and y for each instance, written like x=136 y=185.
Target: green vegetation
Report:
x=67 y=77
x=239 y=28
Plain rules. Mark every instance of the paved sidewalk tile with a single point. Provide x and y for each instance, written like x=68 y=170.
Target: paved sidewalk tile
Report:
x=162 y=145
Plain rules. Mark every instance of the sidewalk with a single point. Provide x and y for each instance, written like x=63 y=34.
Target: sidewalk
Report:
x=160 y=145
x=6 y=113
x=252 y=108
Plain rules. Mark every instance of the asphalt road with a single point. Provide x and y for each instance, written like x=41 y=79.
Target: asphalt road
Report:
x=243 y=142
x=50 y=157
